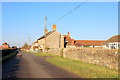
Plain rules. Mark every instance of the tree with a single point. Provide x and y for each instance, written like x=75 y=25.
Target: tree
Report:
x=25 y=46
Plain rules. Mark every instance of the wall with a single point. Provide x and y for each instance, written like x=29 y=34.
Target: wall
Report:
x=55 y=40
x=41 y=44
x=111 y=45
x=99 y=56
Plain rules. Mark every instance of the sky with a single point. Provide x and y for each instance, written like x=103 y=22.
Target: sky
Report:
x=23 y=22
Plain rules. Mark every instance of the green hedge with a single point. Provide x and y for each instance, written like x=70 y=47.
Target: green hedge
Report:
x=9 y=54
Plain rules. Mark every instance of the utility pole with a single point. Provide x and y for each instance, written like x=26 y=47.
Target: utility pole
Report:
x=29 y=39
x=45 y=21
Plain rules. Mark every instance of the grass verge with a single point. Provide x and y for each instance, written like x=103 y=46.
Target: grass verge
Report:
x=43 y=54
x=85 y=70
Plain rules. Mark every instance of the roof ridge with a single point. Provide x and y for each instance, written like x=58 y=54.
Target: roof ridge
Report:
x=47 y=34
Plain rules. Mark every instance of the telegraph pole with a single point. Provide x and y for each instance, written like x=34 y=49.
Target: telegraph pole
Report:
x=45 y=21
x=29 y=39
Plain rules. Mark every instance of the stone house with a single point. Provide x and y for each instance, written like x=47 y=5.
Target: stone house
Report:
x=112 y=43
x=50 y=40
x=34 y=46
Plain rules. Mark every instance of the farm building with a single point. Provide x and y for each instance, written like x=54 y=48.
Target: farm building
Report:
x=113 y=42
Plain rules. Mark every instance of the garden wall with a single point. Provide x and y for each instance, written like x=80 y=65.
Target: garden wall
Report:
x=99 y=56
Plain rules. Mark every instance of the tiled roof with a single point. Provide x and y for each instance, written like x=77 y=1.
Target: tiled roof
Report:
x=4 y=43
x=115 y=38
x=88 y=42
x=36 y=41
x=47 y=34
x=68 y=38
x=35 y=47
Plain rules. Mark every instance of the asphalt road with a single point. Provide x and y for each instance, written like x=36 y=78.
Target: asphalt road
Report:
x=30 y=66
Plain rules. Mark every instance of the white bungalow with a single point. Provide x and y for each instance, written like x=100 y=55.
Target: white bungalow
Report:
x=113 y=43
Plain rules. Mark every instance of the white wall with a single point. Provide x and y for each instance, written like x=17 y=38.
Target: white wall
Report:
x=112 y=45
x=36 y=44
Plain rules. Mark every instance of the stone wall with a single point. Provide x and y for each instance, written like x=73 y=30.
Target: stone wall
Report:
x=99 y=56
x=55 y=40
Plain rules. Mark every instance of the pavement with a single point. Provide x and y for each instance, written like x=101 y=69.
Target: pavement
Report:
x=30 y=66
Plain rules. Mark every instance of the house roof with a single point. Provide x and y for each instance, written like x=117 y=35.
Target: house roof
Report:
x=4 y=43
x=115 y=38
x=1 y=46
x=89 y=42
x=36 y=41
x=47 y=34
x=35 y=47
x=68 y=38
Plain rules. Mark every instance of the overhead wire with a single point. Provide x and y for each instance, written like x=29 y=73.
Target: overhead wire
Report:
x=69 y=12
x=66 y=14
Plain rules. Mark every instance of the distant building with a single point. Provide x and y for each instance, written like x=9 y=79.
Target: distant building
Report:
x=26 y=48
x=34 y=47
x=68 y=42
x=113 y=42
x=5 y=45
x=89 y=43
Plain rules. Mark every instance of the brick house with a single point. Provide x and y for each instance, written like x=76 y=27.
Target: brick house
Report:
x=89 y=43
x=112 y=43
x=68 y=42
x=5 y=45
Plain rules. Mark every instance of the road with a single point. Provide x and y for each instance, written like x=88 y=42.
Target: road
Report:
x=31 y=66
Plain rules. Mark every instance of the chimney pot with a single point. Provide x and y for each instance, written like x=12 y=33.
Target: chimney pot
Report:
x=54 y=27
x=68 y=34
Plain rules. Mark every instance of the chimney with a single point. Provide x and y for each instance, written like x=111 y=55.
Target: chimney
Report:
x=72 y=41
x=54 y=27
x=68 y=34
x=45 y=31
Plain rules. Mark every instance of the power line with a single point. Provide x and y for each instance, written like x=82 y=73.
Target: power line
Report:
x=70 y=11
x=66 y=14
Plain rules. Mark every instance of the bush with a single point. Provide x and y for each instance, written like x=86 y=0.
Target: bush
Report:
x=6 y=54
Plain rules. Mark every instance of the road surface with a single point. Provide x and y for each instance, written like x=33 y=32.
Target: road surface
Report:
x=31 y=66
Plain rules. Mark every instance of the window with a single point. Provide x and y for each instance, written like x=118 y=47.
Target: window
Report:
x=119 y=46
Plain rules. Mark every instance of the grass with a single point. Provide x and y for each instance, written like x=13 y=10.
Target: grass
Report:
x=84 y=70
x=43 y=54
